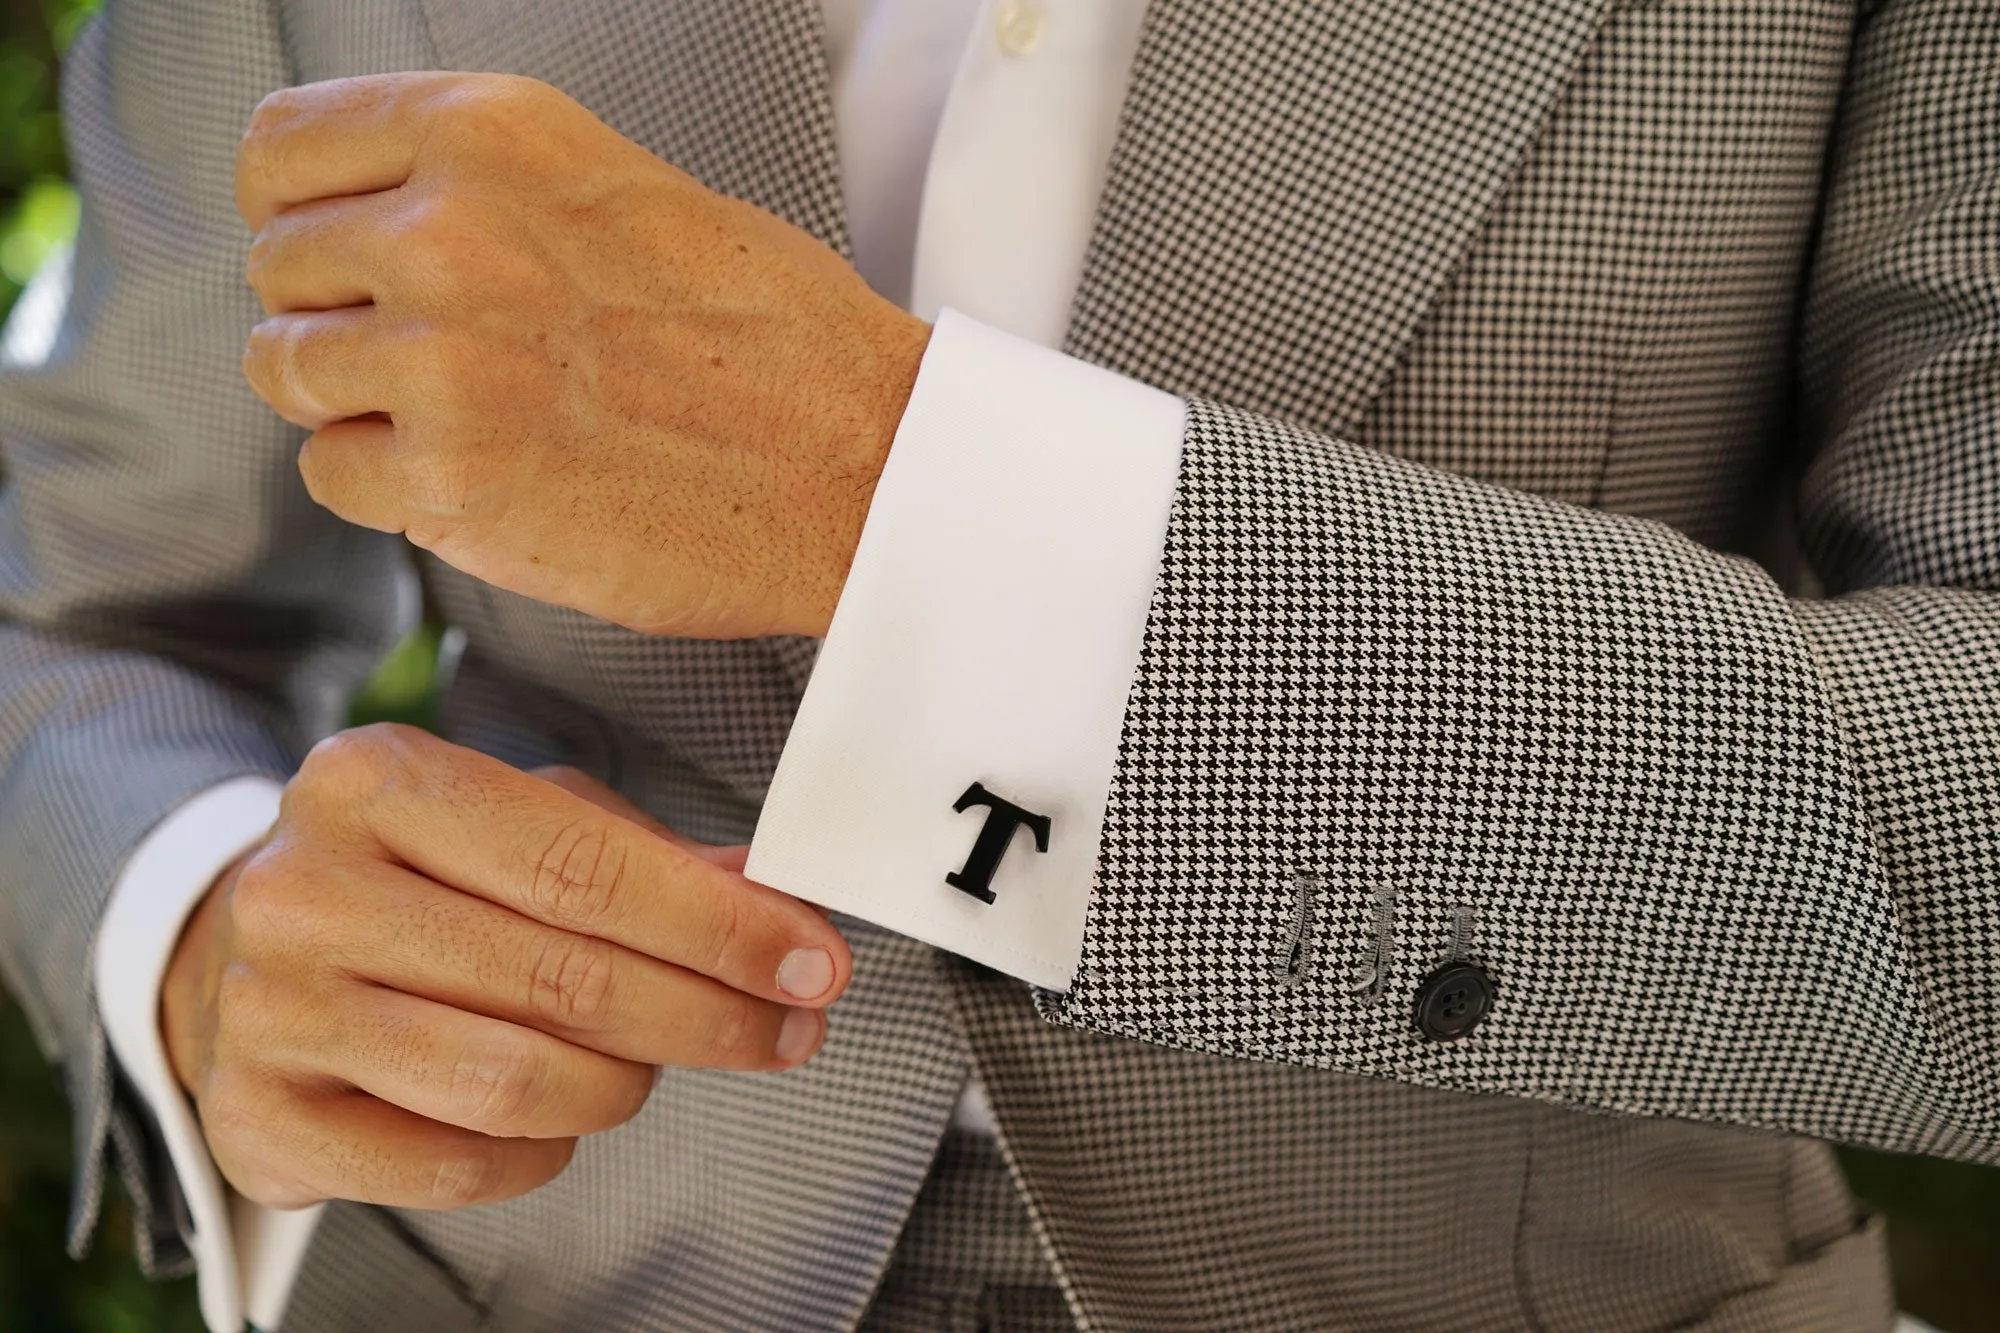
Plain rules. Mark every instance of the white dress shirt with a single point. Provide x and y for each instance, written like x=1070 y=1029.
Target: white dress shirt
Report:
x=992 y=620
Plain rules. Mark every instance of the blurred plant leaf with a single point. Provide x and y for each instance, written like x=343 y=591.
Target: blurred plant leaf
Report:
x=406 y=686
x=44 y=217
x=66 y=19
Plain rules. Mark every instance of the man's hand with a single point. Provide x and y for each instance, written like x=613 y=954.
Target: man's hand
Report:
x=437 y=971
x=558 y=362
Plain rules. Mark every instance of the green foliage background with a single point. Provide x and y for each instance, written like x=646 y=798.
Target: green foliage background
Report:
x=1944 y=1218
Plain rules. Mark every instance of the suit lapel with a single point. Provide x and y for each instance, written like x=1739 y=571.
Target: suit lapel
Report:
x=1293 y=182
x=736 y=92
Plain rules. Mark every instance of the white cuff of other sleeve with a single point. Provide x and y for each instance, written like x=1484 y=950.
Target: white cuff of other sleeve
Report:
x=988 y=633
x=247 y=1256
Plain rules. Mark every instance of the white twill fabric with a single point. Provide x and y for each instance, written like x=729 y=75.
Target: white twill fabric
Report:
x=1501 y=319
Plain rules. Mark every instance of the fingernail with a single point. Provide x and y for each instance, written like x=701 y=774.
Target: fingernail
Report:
x=806 y=973
x=796 y=1037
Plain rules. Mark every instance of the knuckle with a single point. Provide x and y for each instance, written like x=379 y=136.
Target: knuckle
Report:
x=269 y=1189
x=395 y=743
x=322 y=480
x=629 y=1097
x=490 y=97
x=236 y=1115
x=263 y=1019
x=463 y=99
x=261 y=153
x=578 y=876
x=236 y=1003
x=437 y=479
x=260 y=901
x=519 y=89
x=241 y=1014
x=469 y=1174
x=440 y=362
x=431 y=232
x=259 y=1170
x=437 y=489
x=275 y=110
x=262 y=347
x=731 y=928
x=360 y=756
x=343 y=755
x=734 y=1033
x=490 y=119
x=228 y=1114
x=570 y=982
x=548 y=1159
x=426 y=362
x=497 y=1088
x=263 y=255
x=317 y=927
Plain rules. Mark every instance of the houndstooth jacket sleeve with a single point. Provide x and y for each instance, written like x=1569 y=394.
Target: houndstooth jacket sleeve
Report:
x=1725 y=855
x=155 y=638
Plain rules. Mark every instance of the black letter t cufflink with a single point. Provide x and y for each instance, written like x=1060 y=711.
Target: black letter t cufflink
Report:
x=1002 y=818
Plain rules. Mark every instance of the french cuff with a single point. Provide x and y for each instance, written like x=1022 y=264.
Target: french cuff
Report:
x=246 y=1256
x=947 y=771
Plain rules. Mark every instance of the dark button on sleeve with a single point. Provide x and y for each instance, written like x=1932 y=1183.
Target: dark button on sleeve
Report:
x=1452 y=1000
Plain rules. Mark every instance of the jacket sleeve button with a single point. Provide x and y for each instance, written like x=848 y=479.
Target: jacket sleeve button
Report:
x=1452 y=1000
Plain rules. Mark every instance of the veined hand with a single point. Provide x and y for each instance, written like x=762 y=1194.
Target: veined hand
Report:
x=558 y=362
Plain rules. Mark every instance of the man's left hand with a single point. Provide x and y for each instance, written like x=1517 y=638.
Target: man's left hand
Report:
x=559 y=363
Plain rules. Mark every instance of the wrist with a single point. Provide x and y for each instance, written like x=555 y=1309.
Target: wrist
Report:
x=887 y=387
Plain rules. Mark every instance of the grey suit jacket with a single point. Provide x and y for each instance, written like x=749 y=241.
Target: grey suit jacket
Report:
x=1501 y=318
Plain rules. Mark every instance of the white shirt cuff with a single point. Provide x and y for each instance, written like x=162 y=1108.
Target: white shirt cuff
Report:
x=988 y=634
x=247 y=1256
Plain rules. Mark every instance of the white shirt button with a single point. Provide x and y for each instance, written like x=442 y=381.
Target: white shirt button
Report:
x=1017 y=26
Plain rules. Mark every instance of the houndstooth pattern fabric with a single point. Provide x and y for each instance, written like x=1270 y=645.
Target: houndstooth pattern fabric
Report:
x=1729 y=856
x=969 y=1260
x=1296 y=1199
x=1501 y=319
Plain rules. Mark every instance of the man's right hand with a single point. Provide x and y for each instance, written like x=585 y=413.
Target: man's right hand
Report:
x=437 y=971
